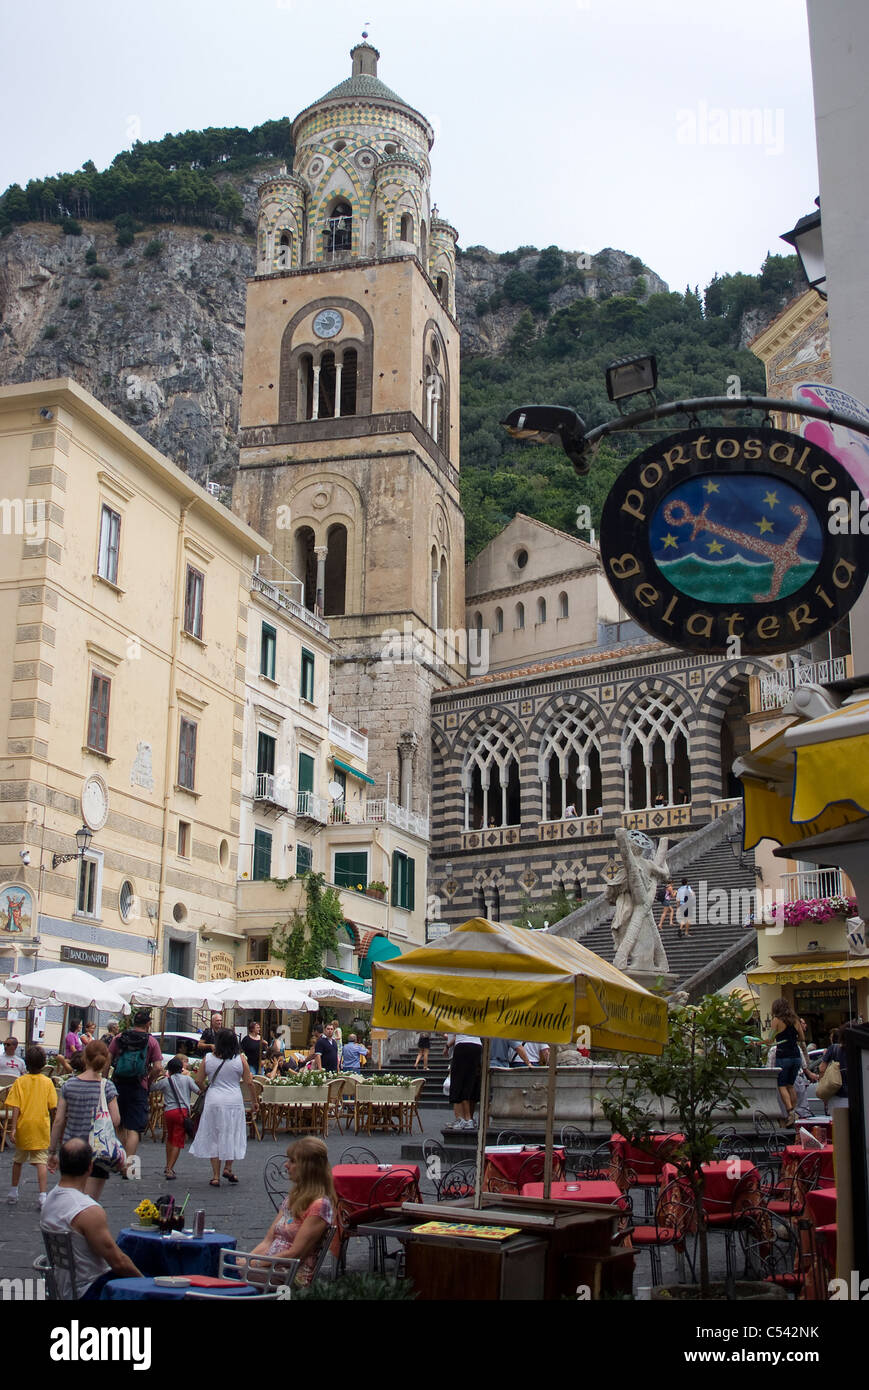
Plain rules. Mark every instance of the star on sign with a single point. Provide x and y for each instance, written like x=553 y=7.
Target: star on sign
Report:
x=711 y=487
x=670 y=542
x=764 y=525
x=715 y=548
x=771 y=499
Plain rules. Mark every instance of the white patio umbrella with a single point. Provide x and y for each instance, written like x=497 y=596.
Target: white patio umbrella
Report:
x=13 y=1001
x=167 y=991
x=275 y=992
x=67 y=985
x=331 y=992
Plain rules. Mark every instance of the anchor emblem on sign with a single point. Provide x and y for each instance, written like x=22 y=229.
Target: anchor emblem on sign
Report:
x=783 y=554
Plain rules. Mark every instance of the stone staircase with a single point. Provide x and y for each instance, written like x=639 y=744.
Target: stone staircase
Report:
x=431 y=1096
x=715 y=952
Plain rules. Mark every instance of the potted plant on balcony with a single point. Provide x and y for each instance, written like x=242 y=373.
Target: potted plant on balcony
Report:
x=376 y=889
x=701 y=1071
x=815 y=910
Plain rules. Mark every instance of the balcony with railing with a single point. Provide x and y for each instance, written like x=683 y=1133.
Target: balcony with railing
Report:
x=311 y=807
x=379 y=811
x=776 y=688
x=808 y=884
x=348 y=738
x=272 y=791
x=272 y=581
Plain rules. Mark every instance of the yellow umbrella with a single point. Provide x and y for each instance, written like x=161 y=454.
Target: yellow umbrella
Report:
x=491 y=980
x=499 y=981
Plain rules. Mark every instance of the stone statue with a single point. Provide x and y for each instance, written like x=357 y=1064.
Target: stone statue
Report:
x=632 y=888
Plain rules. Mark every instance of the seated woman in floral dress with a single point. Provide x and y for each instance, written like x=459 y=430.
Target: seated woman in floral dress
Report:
x=307 y=1210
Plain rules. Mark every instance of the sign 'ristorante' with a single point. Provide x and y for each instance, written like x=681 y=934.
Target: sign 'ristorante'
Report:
x=719 y=539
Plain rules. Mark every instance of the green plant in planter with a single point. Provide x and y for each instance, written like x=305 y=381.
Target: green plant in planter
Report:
x=701 y=1070
x=358 y=1286
x=377 y=886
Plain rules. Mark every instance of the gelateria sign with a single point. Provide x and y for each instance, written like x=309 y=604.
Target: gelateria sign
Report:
x=731 y=540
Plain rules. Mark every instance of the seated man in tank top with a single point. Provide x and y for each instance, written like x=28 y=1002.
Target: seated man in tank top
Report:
x=68 y=1211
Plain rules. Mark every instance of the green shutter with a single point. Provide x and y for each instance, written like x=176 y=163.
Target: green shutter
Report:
x=262 y=855
x=351 y=869
x=411 y=884
x=394 y=895
x=306 y=773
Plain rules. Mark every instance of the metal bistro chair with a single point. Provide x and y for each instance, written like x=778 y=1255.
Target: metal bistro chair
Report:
x=532 y=1168
x=787 y=1199
x=42 y=1266
x=674 y=1220
x=773 y=1251
x=357 y=1153
x=60 y=1253
x=5 y=1115
x=457 y=1182
x=387 y=1196
x=435 y=1162
x=276 y=1179
x=155 y=1116
x=251 y=1095
x=267 y=1272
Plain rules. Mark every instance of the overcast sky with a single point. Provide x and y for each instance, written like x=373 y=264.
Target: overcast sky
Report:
x=681 y=131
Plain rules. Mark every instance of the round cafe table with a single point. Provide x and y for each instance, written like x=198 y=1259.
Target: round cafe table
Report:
x=139 y=1290
x=793 y=1155
x=821 y=1204
x=153 y=1253
x=721 y=1180
x=354 y=1181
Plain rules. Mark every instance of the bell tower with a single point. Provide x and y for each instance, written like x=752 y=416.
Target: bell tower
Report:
x=349 y=458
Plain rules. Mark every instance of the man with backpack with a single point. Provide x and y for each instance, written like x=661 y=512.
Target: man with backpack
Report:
x=137 y=1061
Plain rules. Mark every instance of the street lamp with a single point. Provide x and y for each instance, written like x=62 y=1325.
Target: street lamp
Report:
x=631 y=376
x=551 y=424
x=83 y=838
x=807 y=239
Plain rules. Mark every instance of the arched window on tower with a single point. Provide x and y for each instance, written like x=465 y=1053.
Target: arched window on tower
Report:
x=406 y=227
x=284 y=255
x=435 y=406
x=443 y=593
x=305 y=564
x=569 y=766
x=305 y=395
x=334 y=600
x=655 y=753
x=499 y=620
x=326 y=394
x=349 y=378
x=435 y=585
x=478 y=621
x=541 y=610
x=563 y=607
x=338 y=232
x=520 y=616
x=490 y=780
x=442 y=285
x=423 y=244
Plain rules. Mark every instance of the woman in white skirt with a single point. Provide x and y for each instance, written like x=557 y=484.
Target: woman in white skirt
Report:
x=222 y=1133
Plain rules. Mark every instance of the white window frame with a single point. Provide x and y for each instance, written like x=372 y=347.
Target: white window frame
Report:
x=94 y=857
x=105 y=553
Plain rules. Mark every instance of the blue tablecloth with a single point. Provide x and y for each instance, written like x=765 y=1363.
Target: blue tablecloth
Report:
x=156 y=1254
x=137 y=1289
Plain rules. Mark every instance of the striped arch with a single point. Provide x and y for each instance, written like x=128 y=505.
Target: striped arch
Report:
x=709 y=740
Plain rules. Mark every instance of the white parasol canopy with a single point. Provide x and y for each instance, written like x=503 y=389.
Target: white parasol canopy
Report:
x=9 y=1000
x=167 y=991
x=331 y=992
x=275 y=992
x=67 y=985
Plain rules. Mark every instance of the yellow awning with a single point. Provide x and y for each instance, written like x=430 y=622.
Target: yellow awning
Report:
x=832 y=757
x=497 y=981
x=802 y=971
x=809 y=778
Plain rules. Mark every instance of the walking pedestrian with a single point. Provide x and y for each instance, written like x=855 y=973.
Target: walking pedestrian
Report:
x=423 y=1046
x=668 y=916
x=137 y=1061
x=789 y=1037
x=176 y=1088
x=32 y=1099
x=687 y=900
x=76 y=1111
x=252 y=1047
x=836 y=1053
x=222 y=1133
